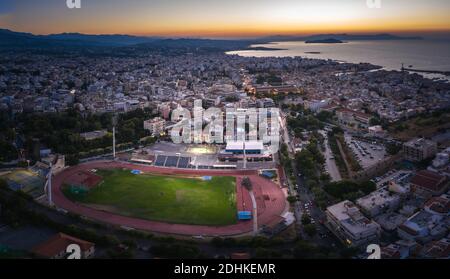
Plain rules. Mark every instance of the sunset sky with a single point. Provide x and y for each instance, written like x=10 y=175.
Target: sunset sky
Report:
x=233 y=18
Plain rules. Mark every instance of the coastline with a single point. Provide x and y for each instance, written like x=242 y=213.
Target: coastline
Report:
x=377 y=53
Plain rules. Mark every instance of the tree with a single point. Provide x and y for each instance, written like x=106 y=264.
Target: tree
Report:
x=374 y=121
x=324 y=116
x=303 y=250
x=325 y=177
x=349 y=190
x=368 y=186
x=7 y=151
x=348 y=252
x=247 y=183
x=393 y=149
x=306 y=220
x=72 y=160
x=265 y=253
x=291 y=199
x=176 y=250
x=217 y=241
x=310 y=230
x=336 y=130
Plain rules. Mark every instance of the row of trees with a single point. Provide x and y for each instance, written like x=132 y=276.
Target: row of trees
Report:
x=303 y=123
x=61 y=131
x=310 y=162
x=348 y=190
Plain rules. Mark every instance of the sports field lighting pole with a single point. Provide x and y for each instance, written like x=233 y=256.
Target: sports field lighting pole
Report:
x=49 y=185
x=114 y=122
x=245 y=156
x=114 y=143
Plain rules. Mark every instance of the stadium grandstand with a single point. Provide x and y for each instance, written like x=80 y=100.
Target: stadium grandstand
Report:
x=173 y=162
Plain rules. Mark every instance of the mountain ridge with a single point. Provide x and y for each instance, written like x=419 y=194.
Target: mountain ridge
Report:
x=10 y=39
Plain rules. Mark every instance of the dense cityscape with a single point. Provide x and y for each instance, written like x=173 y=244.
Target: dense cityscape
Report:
x=88 y=158
x=321 y=101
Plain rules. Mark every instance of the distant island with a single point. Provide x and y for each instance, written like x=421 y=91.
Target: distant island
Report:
x=264 y=48
x=324 y=41
x=342 y=37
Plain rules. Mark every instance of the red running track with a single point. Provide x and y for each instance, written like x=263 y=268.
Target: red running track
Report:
x=270 y=198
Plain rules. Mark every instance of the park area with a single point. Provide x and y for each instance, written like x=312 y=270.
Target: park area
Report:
x=173 y=199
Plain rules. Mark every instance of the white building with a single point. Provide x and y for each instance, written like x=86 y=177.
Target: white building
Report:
x=350 y=225
x=442 y=159
x=419 y=149
x=379 y=202
x=250 y=147
x=155 y=126
x=377 y=131
x=316 y=105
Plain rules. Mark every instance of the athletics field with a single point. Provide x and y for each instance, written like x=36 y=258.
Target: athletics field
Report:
x=192 y=200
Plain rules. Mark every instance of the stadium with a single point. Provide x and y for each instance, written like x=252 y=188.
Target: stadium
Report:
x=176 y=201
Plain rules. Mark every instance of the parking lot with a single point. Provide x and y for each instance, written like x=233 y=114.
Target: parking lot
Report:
x=367 y=154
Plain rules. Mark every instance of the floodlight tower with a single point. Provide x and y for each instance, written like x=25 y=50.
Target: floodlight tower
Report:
x=49 y=185
x=245 y=155
x=114 y=124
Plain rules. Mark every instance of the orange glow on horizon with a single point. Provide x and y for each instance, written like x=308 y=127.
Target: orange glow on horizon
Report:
x=250 y=18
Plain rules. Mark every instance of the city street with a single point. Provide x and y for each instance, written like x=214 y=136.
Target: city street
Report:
x=305 y=203
x=330 y=164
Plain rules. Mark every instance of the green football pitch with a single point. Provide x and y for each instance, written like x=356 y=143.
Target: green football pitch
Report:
x=172 y=199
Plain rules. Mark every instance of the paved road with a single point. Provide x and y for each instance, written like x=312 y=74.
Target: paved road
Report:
x=306 y=198
x=330 y=164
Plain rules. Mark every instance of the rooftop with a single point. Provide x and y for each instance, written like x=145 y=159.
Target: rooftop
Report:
x=440 y=205
x=429 y=180
x=420 y=142
x=249 y=145
x=377 y=198
x=58 y=243
x=350 y=217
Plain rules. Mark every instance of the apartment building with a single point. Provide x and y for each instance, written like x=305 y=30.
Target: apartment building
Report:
x=347 y=222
